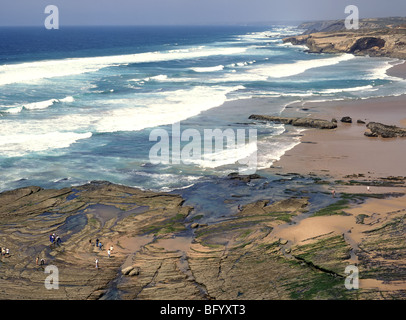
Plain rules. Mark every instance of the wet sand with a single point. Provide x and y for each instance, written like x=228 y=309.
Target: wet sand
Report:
x=398 y=70
x=345 y=150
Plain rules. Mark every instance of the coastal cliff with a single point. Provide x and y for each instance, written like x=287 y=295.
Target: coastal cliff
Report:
x=373 y=38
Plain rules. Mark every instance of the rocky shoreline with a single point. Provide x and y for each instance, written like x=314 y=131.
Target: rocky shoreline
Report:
x=373 y=129
x=159 y=253
x=297 y=121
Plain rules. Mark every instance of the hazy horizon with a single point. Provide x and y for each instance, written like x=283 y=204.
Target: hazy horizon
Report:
x=188 y=12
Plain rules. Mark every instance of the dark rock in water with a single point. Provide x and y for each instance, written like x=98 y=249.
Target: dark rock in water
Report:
x=385 y=131
x=298 y=122
x=242 y=177
x=346 y=119
x=360 y=121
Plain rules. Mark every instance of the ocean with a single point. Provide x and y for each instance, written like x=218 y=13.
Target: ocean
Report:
x=80 y=103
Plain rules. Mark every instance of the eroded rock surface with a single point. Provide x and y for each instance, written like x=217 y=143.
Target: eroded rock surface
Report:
x=157 y=255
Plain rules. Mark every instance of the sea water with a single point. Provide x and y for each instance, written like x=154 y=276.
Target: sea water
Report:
x=79 y=103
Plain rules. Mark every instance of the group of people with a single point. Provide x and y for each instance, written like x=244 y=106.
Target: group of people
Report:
x=55 y=239
x=4 y=251
x=99 y=245
x=42 y=261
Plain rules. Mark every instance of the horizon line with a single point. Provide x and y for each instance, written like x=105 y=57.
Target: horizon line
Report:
x=214 y=24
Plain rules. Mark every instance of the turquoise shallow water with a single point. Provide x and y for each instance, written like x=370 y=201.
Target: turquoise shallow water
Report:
x=79 y=104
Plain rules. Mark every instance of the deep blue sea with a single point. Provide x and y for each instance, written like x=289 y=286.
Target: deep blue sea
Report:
x=79 y=103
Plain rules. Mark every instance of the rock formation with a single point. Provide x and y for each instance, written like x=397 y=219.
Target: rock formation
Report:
x=243 y=177
x=377 y=129
x=156 y=256
x=298 y=122
x=346 y=119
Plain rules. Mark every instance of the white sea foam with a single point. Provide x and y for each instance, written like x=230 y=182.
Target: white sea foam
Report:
x=17 y=109
x=228 y=156
x=298 y=67
x=167 y=108
x=160 y=77
x=67 y=99
x=165 y=78
x=273 y=152
x=39 y=105
x=362 y=88
x=14 y=145
x=289 y=45
x=268 y=36
x=264 y=72
x=272 y=148
x=23 y=136
x=208 y=69
x=380 y=71
x=35 y=105
x=29 y=71
x=165 y=181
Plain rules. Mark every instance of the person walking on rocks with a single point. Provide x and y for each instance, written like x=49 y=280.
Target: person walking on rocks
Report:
x=108 y=252
x=97 y=242
x=97 y=263
x=52 y=238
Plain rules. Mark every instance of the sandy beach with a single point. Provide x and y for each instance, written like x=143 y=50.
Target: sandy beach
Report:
x=345 y=150
x=343 y=154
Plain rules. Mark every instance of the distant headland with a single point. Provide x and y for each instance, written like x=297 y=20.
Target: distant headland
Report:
x=378 y=37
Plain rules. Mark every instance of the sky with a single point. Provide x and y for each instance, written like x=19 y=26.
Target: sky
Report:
x=190 y=12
